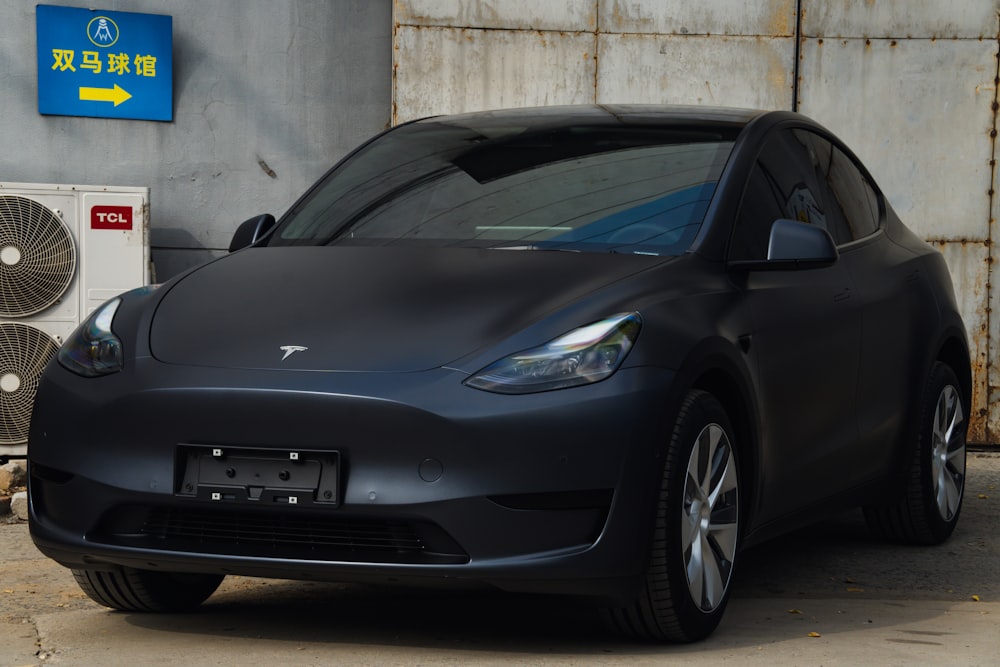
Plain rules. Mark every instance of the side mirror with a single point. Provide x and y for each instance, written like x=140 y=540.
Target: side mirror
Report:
x=794 y=245
x=251 y=231
x=807 y=245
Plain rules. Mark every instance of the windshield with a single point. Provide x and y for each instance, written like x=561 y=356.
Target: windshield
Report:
x=607 y=188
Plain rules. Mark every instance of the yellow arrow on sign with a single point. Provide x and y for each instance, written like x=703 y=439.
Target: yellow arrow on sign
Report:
x=116 y=94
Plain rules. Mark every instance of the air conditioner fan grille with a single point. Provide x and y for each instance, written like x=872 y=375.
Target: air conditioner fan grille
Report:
x=37 y=257
x=24 y=352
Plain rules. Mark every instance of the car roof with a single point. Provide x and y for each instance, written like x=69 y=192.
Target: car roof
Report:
x=604 y=114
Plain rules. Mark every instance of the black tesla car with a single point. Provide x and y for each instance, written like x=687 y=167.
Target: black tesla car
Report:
x=593 y=351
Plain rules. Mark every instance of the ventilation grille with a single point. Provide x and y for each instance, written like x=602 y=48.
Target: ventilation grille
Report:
x=37 y=257
x=24 y=352
x=329 y=537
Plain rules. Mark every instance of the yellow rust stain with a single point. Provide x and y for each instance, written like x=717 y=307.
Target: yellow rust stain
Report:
x=978 y=414
x=979 y=418
x=782 y=21
x=777 y=75
x=627 y=15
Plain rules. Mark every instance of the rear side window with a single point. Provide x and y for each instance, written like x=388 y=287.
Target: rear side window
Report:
x=849 y=191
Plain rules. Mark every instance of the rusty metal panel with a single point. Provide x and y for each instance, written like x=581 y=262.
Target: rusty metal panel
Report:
x=773 y=18
x=730 y=71
x=909 y=84
x=453 y=70
x=970 y=270
x=992 y=370
x=992 y=307
x=558 y=15
x=901 y=18
x=919 y=114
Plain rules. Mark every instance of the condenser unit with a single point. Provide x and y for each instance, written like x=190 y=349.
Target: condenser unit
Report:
x=64 y=250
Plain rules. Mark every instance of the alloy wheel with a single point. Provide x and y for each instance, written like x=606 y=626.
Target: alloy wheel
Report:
x=948 y=452
x=710 y=523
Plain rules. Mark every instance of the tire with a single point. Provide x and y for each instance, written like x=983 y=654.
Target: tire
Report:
x=695 y=533
x=128 y=589
x=928 y=510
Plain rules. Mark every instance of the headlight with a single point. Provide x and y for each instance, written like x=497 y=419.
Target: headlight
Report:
x=93 y=349
x=582 y=356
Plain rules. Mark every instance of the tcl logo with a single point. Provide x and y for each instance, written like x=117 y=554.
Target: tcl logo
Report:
x=111 y=217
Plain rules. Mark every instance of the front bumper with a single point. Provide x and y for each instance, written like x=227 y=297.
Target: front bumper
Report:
x=438 y=482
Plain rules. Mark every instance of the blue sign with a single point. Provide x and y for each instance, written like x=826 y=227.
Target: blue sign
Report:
x=102 y=64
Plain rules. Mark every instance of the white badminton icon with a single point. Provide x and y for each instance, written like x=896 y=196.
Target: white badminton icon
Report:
x=103 y=33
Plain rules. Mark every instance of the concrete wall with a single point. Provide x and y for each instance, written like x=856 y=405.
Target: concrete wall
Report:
x=267 y=95
x=909 y=84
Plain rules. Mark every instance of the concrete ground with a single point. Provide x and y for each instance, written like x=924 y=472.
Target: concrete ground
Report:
x=828 y=595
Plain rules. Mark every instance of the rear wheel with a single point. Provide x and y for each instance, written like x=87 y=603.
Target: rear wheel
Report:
x=695 y=534
x=128 y=589
x=928 y=509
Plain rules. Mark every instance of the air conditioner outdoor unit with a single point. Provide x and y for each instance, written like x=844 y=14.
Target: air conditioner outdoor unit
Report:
x=64 y=250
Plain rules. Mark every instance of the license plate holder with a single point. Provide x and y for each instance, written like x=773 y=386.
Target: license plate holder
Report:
x=245 y=475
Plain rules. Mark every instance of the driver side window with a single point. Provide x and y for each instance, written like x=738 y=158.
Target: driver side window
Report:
x=782 y=184
x=758 y=211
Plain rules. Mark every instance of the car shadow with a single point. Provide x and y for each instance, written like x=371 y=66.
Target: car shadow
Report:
x=821 y=565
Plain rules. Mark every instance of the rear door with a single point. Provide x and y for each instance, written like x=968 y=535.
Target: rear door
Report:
x=897 y=305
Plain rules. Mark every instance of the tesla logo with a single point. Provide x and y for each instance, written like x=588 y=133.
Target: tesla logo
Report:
x=289 y=350
x=111 y=217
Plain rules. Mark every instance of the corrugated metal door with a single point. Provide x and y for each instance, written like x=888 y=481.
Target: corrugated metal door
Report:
x=909 y=84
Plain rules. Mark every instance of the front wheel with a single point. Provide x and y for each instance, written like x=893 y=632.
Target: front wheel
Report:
x=927 y=511
x=696 y=531
x=128 y=589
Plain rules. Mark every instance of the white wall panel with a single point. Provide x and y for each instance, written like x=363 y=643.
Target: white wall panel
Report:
x=468 y=70
x=727 y=71
x=560 y=15
x=919 y=114
x=774 y=18
x=901 y=18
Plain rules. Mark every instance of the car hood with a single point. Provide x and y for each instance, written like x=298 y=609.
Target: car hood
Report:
x=368 y=309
